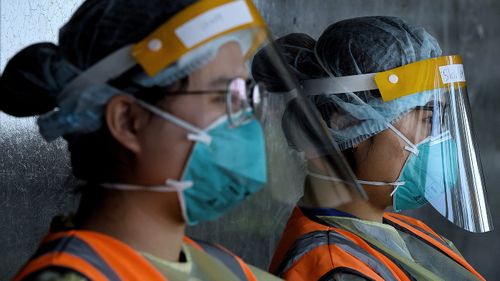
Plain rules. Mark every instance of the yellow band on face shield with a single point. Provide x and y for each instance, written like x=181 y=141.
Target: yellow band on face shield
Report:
x=196 y=25
x=436 y=73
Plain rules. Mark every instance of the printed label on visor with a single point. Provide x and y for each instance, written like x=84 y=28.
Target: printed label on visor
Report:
x=214 y=22
x=452 y=73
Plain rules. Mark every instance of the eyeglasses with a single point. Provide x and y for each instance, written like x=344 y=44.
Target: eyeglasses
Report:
x=245 y=100
x=439 y=117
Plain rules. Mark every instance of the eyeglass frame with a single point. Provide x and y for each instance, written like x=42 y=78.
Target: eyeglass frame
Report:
x=251 y=85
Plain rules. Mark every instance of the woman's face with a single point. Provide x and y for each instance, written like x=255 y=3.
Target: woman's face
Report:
x=382 y=157
x=165 y=146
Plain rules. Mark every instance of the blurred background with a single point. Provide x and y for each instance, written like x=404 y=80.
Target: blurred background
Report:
x=36 y=181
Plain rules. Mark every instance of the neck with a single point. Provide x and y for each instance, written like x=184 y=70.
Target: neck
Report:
x=363 y=209
x=319 y=193
x=147 y=221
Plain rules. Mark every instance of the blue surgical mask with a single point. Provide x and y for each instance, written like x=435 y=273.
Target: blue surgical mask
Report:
x=226 y=171
x=227 y=164
x=427 y=175
x=431 y=169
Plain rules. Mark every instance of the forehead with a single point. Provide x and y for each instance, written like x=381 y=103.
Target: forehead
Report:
x=228 y=63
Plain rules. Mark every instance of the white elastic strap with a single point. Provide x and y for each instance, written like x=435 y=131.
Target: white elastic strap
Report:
x=395 y=189
x=100 y=73
x=324 y=177
x=339 y=85
x=378 y=183
x=410 y=147
x=203 y=137
x=196 y=134
x=171 y=186
x=179 y=185
x=373 y=183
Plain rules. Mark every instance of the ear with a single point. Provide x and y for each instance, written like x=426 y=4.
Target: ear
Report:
x=125 y=119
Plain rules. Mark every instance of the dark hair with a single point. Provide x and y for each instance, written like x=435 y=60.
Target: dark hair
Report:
x=35 y=76
x=298 y=53
x=350 y=47
x=297 y=50
x=32 y=79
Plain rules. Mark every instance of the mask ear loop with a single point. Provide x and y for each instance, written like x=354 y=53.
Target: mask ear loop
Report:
x=197 y=134
x=410 y=146
x=324 y=177
x=373 y=183
x=170 y=186
x=396 y=184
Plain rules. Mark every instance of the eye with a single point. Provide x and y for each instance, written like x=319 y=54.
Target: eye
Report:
x=427 y=116
x=428 y=119
x=219 y=99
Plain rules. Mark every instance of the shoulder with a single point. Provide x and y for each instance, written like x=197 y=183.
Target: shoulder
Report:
x=262 y=275
x=406 y=221
x=413 y=223
x=319 y=254
x=401 y=217
x=231 y=261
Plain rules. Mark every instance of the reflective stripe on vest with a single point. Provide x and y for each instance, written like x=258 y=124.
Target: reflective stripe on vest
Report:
x=74 y=246
x=231 y=261
x=96 y=256
x=425 y=234
x=101 y=258
x=312 y=240
x=389 y=218
x=318 y=263
x=61 y=260
x=328 y=251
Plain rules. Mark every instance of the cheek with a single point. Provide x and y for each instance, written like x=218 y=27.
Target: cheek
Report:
x=166 y=150
x=398 y=164
x=414 y=126
x=198 y=110
x=389 y=165
x=382 y=160
x=395 y=157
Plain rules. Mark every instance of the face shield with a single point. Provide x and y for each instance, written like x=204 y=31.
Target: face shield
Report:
x=425 y=107
x=193 y=72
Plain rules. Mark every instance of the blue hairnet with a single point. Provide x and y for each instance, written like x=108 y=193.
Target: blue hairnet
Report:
x=368 y=45
x=34 y=77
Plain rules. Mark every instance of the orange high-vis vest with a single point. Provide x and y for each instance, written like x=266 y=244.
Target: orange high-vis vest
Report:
x=99 y=257
x=310 y=250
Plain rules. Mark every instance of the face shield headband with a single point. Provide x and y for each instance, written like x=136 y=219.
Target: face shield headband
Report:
x=171 y=52
x=458 y=192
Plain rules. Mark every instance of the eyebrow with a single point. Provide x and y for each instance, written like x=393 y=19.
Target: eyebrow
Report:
x=224 y=81
x=221 y=81
x=430 y=106
x=427 y=107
